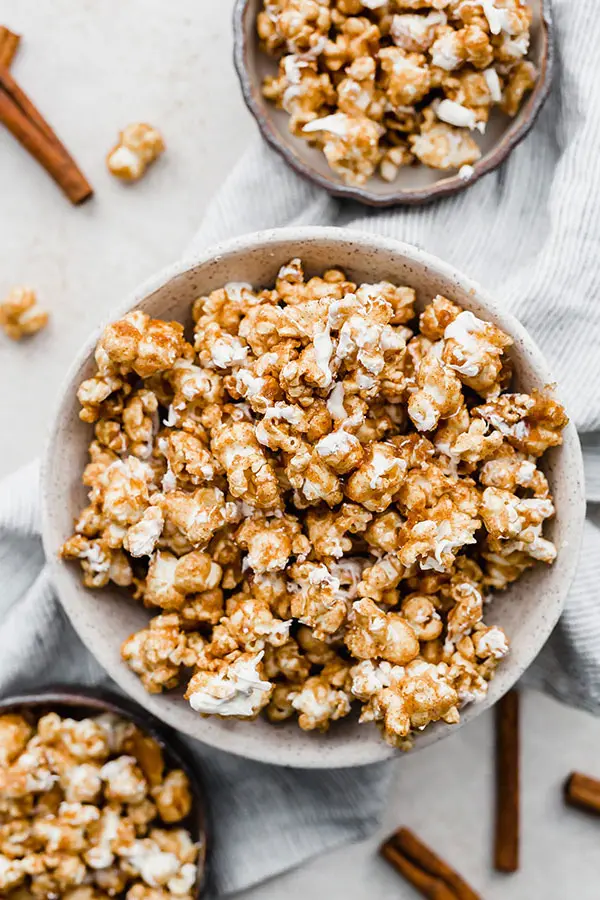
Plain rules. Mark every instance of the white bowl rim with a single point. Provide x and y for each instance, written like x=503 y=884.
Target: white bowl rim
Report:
x=375 y=751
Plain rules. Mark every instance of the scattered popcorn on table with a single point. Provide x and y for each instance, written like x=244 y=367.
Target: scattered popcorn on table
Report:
x=139 y=146
x=86 y=809
x=314 y=496
x=381 y=84
x=20 y=315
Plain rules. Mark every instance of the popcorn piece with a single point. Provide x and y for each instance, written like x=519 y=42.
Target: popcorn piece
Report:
x=406 y=76
x=280 y=705
x=467 y=440
x=300 y=90
x=512 y=470
x=125 y=782
x=99 y=563
x=139 y=146
x=490 y=643
x=313 y=478
x=250 y=623
x=467 y=612
x=506 y=516
x=20 y=315
x=377 y=479
x=420 y=612
x=323 y=698
x=140 y=421
x=438 y=394
x=15 y=731
x=318 y=599
x=287 y=660
x=357 y=93
x=249 y=473
x=137 y=342
x=350 y=145
x=380 y=580
x=327 y=530
x=81 y=783
x=416 y=33
x=141 y=538
x=473 y=349
x=173 y=797
x=434 y=542
x=372 y=633
x=531 y=423
x=441 y=146
x=188 y=459
x=417 y=695
x=196 y=517
x=341 y=451
x=271 y=542
x=157 y=653
x=233 y=687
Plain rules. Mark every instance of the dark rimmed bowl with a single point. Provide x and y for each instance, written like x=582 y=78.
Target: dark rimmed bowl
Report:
x=86 y=702
x=414 y=185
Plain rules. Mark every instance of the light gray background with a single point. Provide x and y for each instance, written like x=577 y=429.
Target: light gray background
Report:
x=93 y=66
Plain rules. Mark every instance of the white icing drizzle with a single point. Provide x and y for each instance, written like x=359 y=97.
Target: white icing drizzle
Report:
x=456 y=114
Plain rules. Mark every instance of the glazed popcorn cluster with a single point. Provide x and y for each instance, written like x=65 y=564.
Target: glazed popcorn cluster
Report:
x=139 y=146
x=380 y=84
x=317 y=495
x=21 y=315
x=88 y=812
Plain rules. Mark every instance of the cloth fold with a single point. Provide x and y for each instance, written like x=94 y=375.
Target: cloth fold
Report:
x=530 y=233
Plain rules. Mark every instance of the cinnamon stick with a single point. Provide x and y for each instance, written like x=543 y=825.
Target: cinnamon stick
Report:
x=428 y=885
x=9 y=44
x=422 y=855
x=506 y=849
x=583 y=792
x=28 y=126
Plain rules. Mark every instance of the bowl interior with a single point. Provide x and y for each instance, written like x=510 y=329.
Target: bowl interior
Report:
x=528 y=611
x=414 y=184
x=89 y=702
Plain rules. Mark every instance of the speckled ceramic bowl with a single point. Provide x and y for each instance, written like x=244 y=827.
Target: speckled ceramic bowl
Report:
x=83 y=702
x=528 y=611
x=414 y=184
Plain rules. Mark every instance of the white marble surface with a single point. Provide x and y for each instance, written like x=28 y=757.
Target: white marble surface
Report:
x=92 y=67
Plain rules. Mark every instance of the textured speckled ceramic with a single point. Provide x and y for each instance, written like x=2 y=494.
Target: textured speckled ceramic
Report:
x=414 y=184
x=528 y=611
x=84 y=702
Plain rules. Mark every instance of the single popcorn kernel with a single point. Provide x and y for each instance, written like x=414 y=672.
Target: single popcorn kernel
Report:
x=139 y=146
x=315 y=501
x=20 y=315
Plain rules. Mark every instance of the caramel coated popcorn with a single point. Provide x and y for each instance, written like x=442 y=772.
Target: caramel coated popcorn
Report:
x=315 y=494
x=381 y=84
x=138 y=147
x=88 y=811
x=20 y=314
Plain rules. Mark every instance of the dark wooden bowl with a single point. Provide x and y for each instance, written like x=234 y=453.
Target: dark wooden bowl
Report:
x=415 y=185
x=79 y=704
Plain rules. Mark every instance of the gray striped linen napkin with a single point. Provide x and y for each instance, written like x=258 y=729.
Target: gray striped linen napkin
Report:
x=530 y=233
